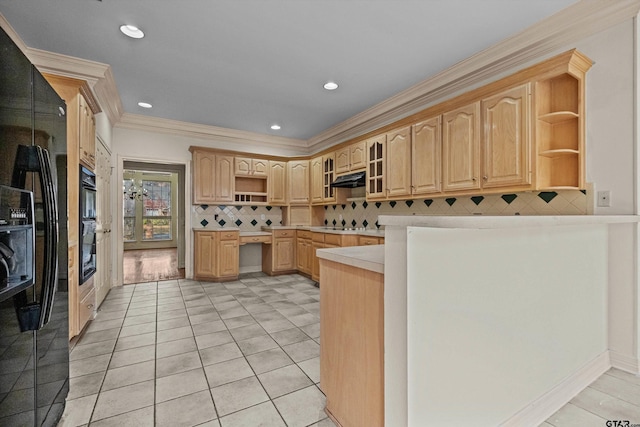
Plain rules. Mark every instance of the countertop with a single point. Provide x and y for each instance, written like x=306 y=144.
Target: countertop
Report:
x=366 y=257
x=481 y=221
x=331 y=230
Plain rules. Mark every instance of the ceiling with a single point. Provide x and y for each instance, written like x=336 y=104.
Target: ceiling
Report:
x=247 y=64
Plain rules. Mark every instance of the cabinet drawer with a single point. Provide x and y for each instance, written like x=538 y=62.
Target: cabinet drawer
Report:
x=86 y=308
x=317 y=237
x=304 y=234
x=333 y=239
x=368 y=240
x=255 y=239
x=229 y=235
x=284 y=233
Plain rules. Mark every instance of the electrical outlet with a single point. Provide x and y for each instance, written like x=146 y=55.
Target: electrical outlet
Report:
x=604 y=199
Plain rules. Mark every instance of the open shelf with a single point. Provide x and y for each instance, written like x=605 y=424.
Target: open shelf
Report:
x=558 y=116
x=559 y=152
x=250 y=190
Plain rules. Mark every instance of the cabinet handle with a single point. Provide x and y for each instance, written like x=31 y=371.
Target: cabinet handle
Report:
x=89 y=306
x=485 y=177
x=284 y=234
x=474 y=179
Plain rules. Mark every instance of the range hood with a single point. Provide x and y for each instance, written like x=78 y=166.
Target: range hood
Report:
x=351 y=180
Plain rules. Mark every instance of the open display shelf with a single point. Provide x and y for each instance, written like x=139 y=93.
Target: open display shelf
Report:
x=250 y=190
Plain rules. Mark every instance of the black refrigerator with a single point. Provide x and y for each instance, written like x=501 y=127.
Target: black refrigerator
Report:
x=34 y=325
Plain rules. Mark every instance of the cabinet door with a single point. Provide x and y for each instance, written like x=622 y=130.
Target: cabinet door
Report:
x=277 y=184
x=242 y=166
x=204 y=168
x=228 y=258
x=205 y=254
x=298 y=181
x=285 y=254
x=342 y=160
x=316 y=180
x=461 y=148
x=376 y=167
x=224 y=178
x=398 y=162
x=425 y=156
x=358 y=156
x=329 y=175
x=506 y=138
x=302 y=255
x=86 y=135
x=260 y=167
x=315 y=261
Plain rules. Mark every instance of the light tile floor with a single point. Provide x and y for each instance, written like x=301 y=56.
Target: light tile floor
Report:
x=187 y=353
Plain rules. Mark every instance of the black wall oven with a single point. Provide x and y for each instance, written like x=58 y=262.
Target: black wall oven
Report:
x=87 y=224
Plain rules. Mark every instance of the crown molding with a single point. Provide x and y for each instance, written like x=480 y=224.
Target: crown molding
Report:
x=210 y=133
x=584 y=18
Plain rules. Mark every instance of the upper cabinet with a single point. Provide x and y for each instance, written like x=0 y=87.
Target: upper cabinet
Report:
x=426 y=143
x=322 y=175
x=461 y=148
x=277 y=193
x=87 y=130
x=398 y=167
x=505 y=144
x=245 y=166
x=376 y=152
x=299 y=186
x=351 y=158
x=213 y=177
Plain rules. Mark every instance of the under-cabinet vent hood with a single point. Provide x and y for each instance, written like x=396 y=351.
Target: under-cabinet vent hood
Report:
x=351 y=180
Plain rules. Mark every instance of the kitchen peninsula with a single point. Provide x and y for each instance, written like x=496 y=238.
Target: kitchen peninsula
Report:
x=506 y=314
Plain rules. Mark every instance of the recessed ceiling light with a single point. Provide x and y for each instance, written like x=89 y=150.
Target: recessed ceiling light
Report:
x=132 y=31
x=144 y=105
x=275 y=127
x=331 y=85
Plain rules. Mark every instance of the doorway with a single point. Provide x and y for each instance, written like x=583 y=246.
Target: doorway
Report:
x=153 y=222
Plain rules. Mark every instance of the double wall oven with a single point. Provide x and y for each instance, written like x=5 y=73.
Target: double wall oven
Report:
x=87 y=224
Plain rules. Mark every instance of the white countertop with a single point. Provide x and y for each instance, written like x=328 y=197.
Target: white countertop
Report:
x=481 y=221
x=215 y=229
x=366 y=257
x=330 y=230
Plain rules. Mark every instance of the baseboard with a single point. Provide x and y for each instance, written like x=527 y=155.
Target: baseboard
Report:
x=547 y=404
x=625 y=363
x=251 y=269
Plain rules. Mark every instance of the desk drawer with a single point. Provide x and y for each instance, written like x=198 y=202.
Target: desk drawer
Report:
x=255 y=239
x=229 y=235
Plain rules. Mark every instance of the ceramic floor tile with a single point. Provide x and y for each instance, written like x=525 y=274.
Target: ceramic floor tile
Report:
x=269 y=360
x=208 y=328
x=101 y=325
x=324 y=423
x=227 y=372
x=191 y=410
x=144 y=328
x=110 y=315
x=85 y=385
x=240 y=321
x=231 y=313
x=246 y=332
x=90 y=365
x=124 y=399
x=138 y=320
x=178 y=363
x=302 y=350
x=289 y=336
x=173 y=314
x=203 y=309
x=174 y=334
x=313 y=330
x=77 y=412
x=104 y=335
x=141 y=311
x=134 y=341
x=130 y=374
x=171 y=348
x=264 y=414
x=132 y=356
x=214 y=339
x=311 y=367
x=89 y=350
x=171 y=307
x=238 y=395
x=284 y=380
x=220 y=353
x=181 y=384
x=257 y=344
x=302 y=407
x=178 y=322
x=138 y=418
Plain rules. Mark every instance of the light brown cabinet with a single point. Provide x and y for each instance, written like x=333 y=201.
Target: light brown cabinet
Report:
x=216 y=255
x=376 y=152
x=426 y=143
x=321 y=240
x=322 y=175
x=370 y=240
x=461 y=148
x=280 y=256
x=299 y=182
x=245 y=166
x=213 y=177
x=303 y=251
x=398 y=163
x=351 y=158
x=277 y=193
x=87 y=125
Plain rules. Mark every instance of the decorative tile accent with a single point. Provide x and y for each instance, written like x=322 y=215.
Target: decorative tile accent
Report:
x=269 y=222
x=204 y=207
x=409 y=203
x=269 y=208
x=547 y=196
x=365 y=223
x=222 y=222
x=253 y=208
x=392 y=204
x=238 y=223
x=353 y=223
x=378 y=204
x=450 y=200
x=477 y=199
x=254 y=222
x=428 y=202
x=353 y=205
x=509 y=198
x=365 y=204
x=204 y=222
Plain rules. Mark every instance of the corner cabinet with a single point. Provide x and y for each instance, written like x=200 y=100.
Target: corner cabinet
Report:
x=277 y=184
x=298 y=182
x=216 y=254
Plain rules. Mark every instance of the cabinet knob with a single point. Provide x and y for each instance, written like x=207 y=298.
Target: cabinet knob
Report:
x=485 y=177
x=474 y=179
x=89 y=306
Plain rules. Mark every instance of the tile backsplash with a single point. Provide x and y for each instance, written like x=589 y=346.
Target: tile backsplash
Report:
x=361 y=213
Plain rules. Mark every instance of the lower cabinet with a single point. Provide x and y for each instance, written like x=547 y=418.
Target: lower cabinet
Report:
x=328 y=240
x=217 y=255
x=280 y=256
x=303 y=251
